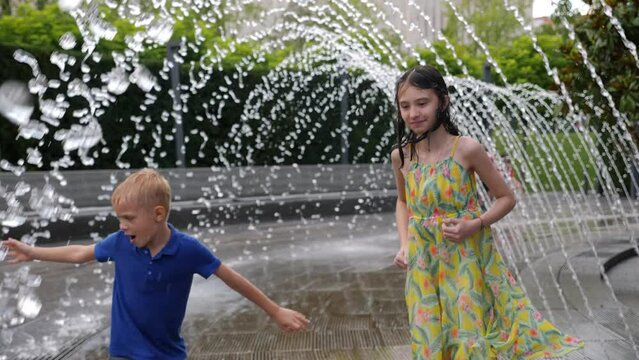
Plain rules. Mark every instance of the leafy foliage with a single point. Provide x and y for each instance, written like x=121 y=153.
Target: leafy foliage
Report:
x=616 y=67
x=490 y=20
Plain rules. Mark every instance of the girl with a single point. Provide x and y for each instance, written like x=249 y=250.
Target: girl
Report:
x=462 y=301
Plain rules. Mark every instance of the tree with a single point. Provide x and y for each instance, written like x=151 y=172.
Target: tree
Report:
x=612 y=60
x=613 y=63
x=491 y=21
x=521 y=63
x=473 y=63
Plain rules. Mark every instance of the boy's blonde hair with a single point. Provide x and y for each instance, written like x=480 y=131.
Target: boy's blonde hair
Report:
x=145 y=187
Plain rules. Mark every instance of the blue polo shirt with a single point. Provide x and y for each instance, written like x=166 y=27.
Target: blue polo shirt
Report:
x=150 y=293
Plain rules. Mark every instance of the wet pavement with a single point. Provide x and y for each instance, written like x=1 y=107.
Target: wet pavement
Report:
x=339 y=272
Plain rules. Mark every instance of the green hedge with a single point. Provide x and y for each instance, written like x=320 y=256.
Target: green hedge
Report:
x=544 y=164
x=38 y=31
x=117 y=121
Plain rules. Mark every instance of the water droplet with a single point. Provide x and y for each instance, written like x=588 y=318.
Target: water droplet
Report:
x=44 y=202
x=33 y=281
x=117 y=81
x=96 y=56
x=80 y=137
x=12 y=218
x=161 y=31
x=38 y=85
x=3 y=252
x=67 y=41
x=29 y=306
x=33 y=130
x=69 y=5
x=34 y=157
x=143 y=78
x=53 y=109
x=15 y=102
x=6 y=337
x=103 y=29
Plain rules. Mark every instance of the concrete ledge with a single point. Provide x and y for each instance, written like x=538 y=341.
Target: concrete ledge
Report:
x=91 y=188
x=209 y=198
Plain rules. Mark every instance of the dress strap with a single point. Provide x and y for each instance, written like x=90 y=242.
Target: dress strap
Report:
x=410 y=151
x=452 y=153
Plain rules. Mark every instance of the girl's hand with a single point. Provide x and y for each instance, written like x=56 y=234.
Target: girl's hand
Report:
x=18 y=251
x=290 y=320
x=400 y=258
x=458 y=230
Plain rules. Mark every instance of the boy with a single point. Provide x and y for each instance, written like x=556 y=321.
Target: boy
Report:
x=154 y=267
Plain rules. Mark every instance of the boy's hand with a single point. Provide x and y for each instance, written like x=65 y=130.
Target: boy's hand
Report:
x=18 y=251
x=290 y=320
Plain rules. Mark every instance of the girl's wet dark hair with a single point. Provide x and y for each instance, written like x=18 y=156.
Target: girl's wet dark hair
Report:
x=422 y=77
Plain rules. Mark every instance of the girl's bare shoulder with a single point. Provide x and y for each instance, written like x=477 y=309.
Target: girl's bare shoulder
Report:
x=396 y=156
x=467 y=145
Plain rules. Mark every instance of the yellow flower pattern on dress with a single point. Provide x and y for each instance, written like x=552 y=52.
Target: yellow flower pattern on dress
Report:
x=463 y=302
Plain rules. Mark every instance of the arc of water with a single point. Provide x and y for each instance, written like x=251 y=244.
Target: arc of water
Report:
x=501 y=233
x=440 y=36
x=471 y=33
x=428 y=44
x=573 y=110
x=534 y=275
x=622 y=123
x=619 y=117
x=598 y=257
x=630 y=46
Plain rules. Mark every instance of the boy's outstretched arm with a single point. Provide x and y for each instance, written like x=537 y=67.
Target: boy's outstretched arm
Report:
x=286 y=319
x=19 y=252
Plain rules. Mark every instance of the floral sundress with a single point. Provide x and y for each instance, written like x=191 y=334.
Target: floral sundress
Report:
x=463 y=302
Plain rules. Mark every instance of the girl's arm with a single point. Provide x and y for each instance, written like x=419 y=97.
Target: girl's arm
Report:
x=77 y=254
x=490 y=175
x=475 y=158
x=401 y=210
x=286 y=319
